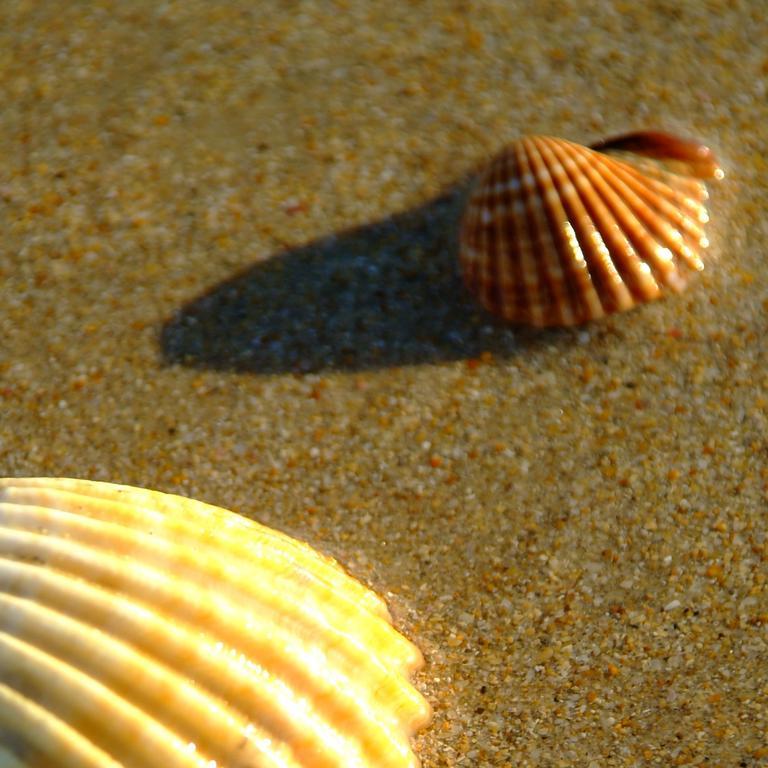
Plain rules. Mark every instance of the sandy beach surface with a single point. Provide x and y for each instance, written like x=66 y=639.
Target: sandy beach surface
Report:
x=228 y=263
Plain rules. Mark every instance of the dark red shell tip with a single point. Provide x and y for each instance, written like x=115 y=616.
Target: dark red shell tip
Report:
x=698 y=158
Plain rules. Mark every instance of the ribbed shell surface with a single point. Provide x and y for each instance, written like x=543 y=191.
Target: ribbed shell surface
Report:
x=143 y=629
x=555 y=233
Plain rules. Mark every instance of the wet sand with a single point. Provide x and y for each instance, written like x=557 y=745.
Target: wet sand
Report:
x=228 y=271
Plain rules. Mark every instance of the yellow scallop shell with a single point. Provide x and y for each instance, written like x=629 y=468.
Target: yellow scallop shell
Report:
x=143 y=629
x=555 y=233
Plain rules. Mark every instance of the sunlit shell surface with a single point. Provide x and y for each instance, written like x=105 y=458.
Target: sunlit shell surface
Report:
x=143 y=629
x=555 y=233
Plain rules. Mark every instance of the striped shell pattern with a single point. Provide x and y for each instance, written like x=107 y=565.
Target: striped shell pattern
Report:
x=143 y=629
x=555 y=233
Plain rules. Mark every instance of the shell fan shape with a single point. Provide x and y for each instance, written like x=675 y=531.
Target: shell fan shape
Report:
x=143 y=629
x=555 y=233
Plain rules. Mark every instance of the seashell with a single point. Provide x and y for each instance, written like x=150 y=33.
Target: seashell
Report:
x=555 y=233
x=139 y=628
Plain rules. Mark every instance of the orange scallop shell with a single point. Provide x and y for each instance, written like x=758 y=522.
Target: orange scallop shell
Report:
x=555 y=233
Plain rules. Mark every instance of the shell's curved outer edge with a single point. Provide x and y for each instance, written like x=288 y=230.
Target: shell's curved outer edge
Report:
x=555 y=233
x=152 y=628
x=697 y=158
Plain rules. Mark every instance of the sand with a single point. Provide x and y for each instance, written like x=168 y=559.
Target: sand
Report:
x=228 y=271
